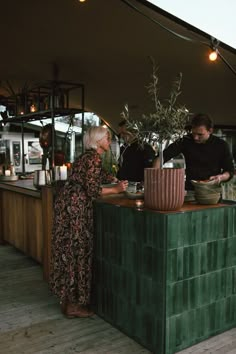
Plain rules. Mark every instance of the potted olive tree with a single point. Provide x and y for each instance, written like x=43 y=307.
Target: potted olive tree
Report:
x=163 y=187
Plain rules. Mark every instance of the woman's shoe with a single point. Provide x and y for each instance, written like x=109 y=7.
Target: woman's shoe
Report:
x=65 y=310
x=63 y=307
x=73 y=311
x=81 y=314
x=80 y=311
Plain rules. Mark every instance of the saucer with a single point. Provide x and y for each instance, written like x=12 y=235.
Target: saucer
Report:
x=137 y=195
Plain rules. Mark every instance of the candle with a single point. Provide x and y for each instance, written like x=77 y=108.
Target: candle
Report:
x=63 y=173
x=33 y=108
x=69 y=168
x=139 y=204
x=57 y=172
x=69 y=165
x=7 y=173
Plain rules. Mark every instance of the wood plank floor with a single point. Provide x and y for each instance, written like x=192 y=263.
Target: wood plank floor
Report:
x=31 y=321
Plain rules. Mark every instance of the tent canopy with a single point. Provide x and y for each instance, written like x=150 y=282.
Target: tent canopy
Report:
x=107 y=45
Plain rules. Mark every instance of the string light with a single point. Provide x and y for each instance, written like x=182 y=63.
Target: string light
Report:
x=213 y=55
x=214 y=49
x=214 y=42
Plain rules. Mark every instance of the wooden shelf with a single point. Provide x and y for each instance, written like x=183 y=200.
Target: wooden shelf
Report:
x=50 y=99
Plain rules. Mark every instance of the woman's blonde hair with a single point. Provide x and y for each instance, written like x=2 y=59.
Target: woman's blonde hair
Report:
x=93 y=135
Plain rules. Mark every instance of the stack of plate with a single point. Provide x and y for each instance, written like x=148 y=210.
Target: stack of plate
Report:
x=9 y=178
x=207 y=192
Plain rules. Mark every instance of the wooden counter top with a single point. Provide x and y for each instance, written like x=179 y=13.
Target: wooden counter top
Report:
x=22 y=186
x=122 y=200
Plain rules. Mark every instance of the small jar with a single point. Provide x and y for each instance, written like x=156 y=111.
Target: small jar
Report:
x=12 y=169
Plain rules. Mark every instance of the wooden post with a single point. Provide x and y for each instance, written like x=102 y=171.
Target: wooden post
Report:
x=47 y=215
x=1 y=221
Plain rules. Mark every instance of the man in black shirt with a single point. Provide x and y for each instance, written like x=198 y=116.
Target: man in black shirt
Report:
x=206 y=155
x=134 y=156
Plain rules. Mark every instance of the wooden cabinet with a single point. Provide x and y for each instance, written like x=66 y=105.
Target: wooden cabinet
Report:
x=22 y=222
x=26 y=219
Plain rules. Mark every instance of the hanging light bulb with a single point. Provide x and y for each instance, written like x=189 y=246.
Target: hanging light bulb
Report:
x=213 y=55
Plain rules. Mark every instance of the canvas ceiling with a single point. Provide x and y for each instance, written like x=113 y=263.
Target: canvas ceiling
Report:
x=106 y=45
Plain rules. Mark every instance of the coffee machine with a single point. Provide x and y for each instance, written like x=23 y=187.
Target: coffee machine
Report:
x=25 y=158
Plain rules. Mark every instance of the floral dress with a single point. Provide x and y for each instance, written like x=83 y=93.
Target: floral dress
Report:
x=72 y=233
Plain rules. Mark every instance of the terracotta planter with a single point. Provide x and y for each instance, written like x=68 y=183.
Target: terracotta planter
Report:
x=164 y=188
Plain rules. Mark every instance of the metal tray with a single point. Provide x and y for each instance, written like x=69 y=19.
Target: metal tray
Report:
x=9 y=178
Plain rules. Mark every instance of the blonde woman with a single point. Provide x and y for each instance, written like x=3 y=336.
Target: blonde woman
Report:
x=72 y=236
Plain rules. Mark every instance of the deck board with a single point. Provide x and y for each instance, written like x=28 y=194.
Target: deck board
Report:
x=31 y=321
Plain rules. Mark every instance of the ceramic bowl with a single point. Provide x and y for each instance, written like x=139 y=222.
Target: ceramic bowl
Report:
x=203 y=183
x=206 y=192
x=208 y=187
x=208 y=198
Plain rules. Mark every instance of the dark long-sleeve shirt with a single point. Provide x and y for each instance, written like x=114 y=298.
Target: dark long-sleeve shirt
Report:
x=134 y=158
x=202 y=160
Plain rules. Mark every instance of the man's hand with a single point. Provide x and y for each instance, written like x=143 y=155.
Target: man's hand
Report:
x=156 y=163
x=220 y=178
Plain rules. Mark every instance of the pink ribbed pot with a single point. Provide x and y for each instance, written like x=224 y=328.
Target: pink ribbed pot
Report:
x=164 y=188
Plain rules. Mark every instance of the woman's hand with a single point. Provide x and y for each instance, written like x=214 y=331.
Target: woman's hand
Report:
x=121 y=186
x=115 y=180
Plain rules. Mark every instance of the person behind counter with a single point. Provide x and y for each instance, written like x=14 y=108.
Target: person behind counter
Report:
x=72 y=233
x=134 y=157
x=206 y=155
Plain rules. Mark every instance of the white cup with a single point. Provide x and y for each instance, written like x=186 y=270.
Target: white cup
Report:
x=132 y=187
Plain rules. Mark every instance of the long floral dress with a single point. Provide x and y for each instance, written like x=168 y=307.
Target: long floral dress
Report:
x=72 y=234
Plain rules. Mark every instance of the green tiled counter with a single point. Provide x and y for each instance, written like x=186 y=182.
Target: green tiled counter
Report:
x=168 y=280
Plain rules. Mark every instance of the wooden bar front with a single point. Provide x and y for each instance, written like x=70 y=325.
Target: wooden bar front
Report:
x=26 y=219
